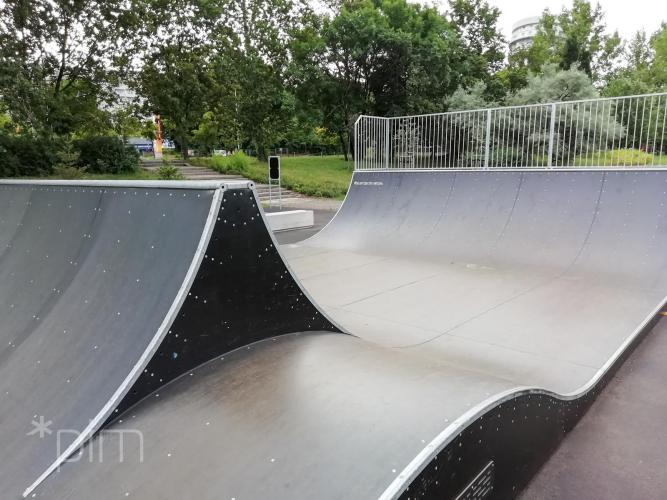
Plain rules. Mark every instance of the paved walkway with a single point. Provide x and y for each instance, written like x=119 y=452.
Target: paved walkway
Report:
x=617 y=450
x=193 y=173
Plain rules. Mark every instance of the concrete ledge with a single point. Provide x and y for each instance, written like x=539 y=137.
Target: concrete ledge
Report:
x=291 y=219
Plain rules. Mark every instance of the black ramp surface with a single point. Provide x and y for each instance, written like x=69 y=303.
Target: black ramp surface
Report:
x=242 y=292
x=93 y=278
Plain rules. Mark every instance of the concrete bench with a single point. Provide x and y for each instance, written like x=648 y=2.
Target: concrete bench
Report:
x=290 y=219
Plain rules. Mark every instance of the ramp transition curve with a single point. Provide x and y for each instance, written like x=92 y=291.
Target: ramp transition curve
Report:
x=489 y=309
x=110 y=291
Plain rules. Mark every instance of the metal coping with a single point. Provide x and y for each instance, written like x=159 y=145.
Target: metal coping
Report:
x=146 y=184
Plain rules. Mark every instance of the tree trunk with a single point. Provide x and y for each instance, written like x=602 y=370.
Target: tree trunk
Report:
x=261 y=151
x=184 y=148
x=343 y=144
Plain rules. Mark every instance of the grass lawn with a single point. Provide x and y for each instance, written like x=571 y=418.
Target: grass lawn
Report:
x=323 y=176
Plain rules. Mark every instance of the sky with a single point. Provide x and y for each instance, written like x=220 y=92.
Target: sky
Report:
x=626 y=16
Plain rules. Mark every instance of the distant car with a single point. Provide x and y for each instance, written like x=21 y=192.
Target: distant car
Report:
x=140 y=144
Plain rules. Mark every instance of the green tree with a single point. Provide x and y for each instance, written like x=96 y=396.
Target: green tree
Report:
x=55 y=57
x=386 y=57
x=126 y=122
x=176 y=82
x=552 y=84
x=174 y=75
x=644 y=65
x=584 y=121
x=250 y=68
x=476 y=22
x=210 y=134
x=475 y=97
x=575 y=38
x=658 y=68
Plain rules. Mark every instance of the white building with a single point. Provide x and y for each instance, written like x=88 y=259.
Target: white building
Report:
x=523 y=32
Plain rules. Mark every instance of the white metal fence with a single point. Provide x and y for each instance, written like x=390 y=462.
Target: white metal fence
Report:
x=615 y=132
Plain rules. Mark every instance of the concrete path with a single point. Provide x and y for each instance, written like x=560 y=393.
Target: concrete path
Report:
x=617 y=451
x=194 y=173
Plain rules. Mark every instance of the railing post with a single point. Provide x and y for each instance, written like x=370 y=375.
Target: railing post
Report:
x=386 y=142
x=552 y=130
x=356 y=148
x=487 y=143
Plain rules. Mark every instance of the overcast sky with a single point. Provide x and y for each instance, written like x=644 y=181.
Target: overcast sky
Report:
x=626 y=16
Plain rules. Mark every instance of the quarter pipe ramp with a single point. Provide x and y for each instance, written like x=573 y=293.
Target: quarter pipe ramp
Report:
x=109 y=291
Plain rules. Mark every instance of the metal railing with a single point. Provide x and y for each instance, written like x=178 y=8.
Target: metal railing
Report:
x=610 y=132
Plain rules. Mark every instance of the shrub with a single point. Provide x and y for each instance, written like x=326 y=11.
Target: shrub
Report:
x=66 y=168
x=238 y=163
x=25 y=155
x=508 y=157
x=107 y=155
x=617 y=158
x=69 y=172
x=168 y=172
x=218 y=163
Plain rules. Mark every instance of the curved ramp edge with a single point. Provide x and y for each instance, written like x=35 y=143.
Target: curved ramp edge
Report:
x=85 y=282
x=497 y=446
x=236 y=291
x=513 y=430
x=580 y=253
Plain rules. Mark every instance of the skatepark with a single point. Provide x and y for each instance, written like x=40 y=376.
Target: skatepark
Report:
x=438 y=338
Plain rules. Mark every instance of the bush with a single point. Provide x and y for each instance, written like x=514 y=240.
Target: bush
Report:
x=69 y=172
x=168 y=172
x=107 y=155
x=217 y=163
x=236 y=164
x=617 y=158
x=25 y=155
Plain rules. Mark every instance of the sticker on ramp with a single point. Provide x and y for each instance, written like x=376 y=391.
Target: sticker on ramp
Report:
x=368 y=183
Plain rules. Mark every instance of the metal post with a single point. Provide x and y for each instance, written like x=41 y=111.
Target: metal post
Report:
x=356 y=145
x=487 y=145
x=552 y=130
x=386 y=143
